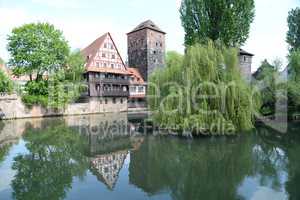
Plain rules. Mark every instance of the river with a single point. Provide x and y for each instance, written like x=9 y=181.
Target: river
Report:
x=110 y=157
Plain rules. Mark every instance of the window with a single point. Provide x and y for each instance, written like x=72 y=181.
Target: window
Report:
x=111 y=46
x=97 y=64
x=105 y=101
x=113 y=56
x=121 y=100
x=112 y=65
x=124 y=89
x=132 y=89
x=104 y=65
x=98 y=87
x=105 y=45
x=154 y=52
x=245 y=58
x=103 y=55
x=141 y=89
x=114 y=100
x=96 y=75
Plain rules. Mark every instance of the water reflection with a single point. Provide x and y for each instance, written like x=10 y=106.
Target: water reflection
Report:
x=49 y=156
x=55 y=155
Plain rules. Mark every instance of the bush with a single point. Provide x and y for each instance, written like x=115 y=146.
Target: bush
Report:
x=6 y=85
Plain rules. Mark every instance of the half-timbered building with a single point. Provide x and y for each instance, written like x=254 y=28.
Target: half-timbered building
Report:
x=106 y=73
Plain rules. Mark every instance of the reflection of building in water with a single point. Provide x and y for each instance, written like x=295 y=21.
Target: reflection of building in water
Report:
x=109 y=143
x=107 y=167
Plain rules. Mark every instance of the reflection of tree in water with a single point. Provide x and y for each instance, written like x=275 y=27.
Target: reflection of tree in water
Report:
x=293 y=153
x=4 y=151
x=269 y=157
x=280 y=152
x=56 y=155
x=1 y=125
x=199 y=169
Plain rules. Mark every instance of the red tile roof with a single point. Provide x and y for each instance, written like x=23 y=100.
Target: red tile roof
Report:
x=138 y=79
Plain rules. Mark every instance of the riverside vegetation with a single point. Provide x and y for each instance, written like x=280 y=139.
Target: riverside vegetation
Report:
x=202 y=91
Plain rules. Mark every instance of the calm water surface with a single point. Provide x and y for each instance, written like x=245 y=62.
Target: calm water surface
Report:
x=99 y=157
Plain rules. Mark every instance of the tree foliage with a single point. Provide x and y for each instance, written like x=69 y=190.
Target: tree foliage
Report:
x=293 y=34
x=294 y=82
x=217 y=20
x=37 y=49
x=41 y=52
x=265 y=78
x=204 y=91
x=75 y=66
x=1 y=61
x=6 y=85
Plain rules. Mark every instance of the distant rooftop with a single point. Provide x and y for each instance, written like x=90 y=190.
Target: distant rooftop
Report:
x=147 y=24
x=243 y=52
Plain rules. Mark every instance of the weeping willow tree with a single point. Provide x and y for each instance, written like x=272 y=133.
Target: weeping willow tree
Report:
x=204 y=93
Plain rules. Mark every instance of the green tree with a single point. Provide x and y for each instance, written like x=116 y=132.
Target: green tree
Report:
x=37 y=49
x=294 y=82
x=6 y=85
x=75 y=66
x=1 y=61
x=217 y=20
x=207 y=89
x=293 y=34
x=265 y=78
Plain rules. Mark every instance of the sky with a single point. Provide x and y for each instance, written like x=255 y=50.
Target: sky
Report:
x=82 y=21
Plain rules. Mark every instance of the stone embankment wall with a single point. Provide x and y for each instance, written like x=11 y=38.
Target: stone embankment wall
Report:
x=11 y=107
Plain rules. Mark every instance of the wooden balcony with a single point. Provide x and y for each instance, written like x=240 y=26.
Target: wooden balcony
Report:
x=111 y=93
x=109 y=81
x=115 y=93
x=115 y=81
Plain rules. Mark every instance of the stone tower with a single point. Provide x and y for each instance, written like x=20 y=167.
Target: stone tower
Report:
x=146 y=48
x=245 y=64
